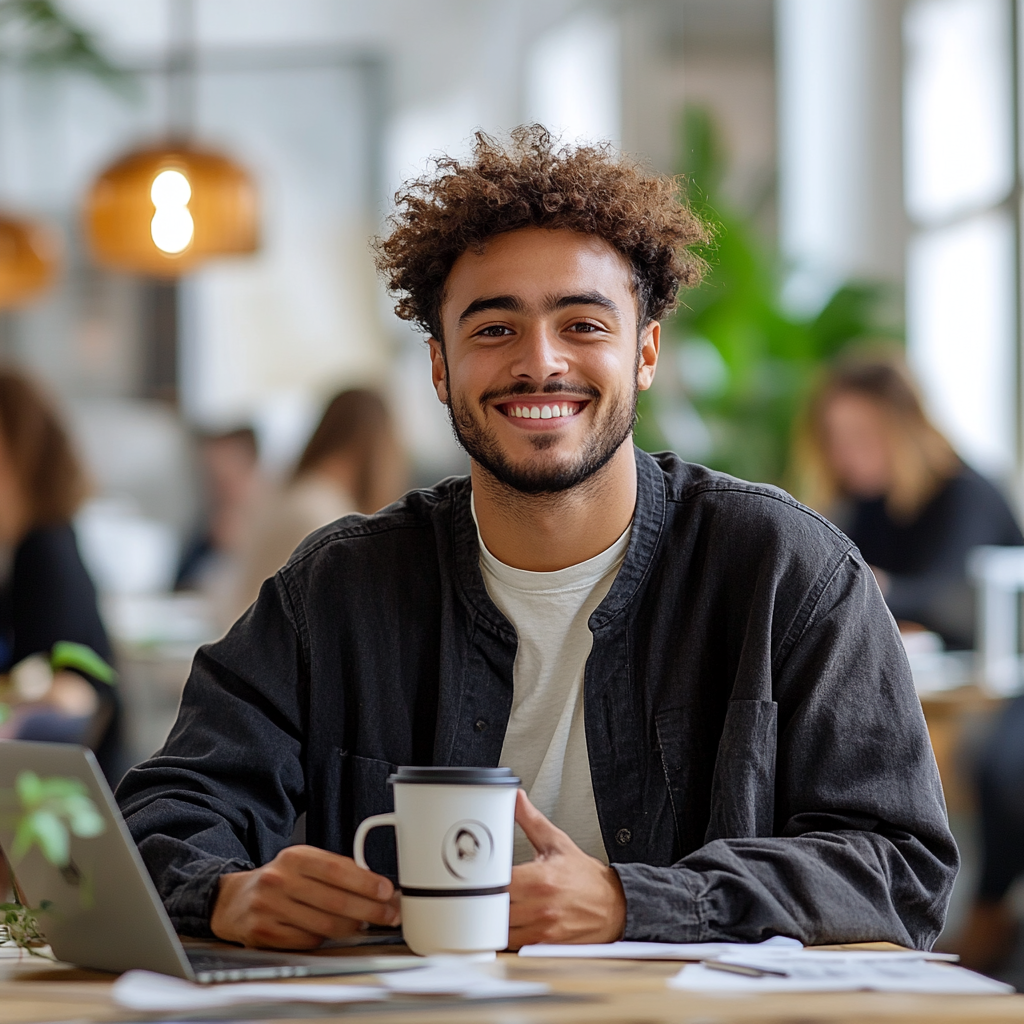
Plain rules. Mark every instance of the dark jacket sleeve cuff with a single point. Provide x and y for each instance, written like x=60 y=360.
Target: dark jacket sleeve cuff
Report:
x=190 y=904
x=661 y=904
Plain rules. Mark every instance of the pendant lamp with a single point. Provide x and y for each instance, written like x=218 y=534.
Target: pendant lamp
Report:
x=164 y=210
x=28 y=260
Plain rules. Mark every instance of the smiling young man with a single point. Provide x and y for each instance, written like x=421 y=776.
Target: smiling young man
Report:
x=695 y=677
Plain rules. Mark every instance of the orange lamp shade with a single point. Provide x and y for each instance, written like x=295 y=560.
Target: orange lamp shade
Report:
x=164 y=211
x=28 y=260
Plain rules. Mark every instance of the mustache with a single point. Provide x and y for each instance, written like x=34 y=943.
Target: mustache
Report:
x=522 y=389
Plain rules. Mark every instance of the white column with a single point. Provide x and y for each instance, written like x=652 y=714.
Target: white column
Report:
x=840 y=187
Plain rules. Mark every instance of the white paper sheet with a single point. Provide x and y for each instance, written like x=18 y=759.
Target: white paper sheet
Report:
x=450 y=977
x=656 y=950
x=828 y=971
x=144 y=990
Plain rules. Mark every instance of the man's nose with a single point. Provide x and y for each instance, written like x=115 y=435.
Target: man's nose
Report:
x=539 y=356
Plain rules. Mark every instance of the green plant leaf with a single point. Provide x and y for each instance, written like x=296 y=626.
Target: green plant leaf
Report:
x=51 y=835
x=24 y=837
x=29 y=788
x=50 y=807
x=59 y=788
x=85 y=820
x=66 y=654
x=23 y=926
x=49 y=39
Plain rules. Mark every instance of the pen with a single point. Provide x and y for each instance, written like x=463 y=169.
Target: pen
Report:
x=749 y=972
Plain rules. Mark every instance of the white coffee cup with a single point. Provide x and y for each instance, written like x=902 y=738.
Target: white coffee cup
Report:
x=454 y=830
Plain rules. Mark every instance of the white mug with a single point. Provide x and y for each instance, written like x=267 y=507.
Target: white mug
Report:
x=454 y=830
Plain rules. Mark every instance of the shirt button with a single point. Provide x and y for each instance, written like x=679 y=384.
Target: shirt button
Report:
x=623 y=837
x=480 y=724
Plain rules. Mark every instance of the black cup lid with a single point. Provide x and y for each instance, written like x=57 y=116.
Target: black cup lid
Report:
x=458 y=776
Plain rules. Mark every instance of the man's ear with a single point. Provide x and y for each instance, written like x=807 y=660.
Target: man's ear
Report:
x=647 y=357
x=438 y=370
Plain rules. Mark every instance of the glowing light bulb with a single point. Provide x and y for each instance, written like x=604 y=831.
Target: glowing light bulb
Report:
x=172 y=226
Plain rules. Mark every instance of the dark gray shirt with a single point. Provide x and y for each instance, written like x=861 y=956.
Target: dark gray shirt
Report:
x=759 y=758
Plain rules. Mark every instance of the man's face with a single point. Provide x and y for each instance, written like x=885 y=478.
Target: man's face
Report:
x=541 y=363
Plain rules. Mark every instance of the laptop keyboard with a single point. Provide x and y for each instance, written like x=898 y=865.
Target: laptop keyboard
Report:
x=211 y=965
x=247 y=967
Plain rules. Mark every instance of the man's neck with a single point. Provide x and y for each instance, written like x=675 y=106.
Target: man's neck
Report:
x=546 y=532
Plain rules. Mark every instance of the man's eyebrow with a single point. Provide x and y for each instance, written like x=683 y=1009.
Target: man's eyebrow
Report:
x=507 y=302
x=583 y=299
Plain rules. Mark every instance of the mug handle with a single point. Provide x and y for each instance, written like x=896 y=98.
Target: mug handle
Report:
x=363 y=831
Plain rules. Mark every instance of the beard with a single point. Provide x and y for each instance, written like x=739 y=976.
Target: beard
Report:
x=608 y=435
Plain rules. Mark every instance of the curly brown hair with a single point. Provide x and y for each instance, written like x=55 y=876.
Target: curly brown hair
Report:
x=531 y=183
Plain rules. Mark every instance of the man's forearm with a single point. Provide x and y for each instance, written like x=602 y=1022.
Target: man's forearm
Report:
x=187 y=885
x=819 y=888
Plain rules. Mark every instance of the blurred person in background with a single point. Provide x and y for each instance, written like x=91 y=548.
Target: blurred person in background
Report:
x=870 y=459
x=232 y=483
x=352 y=463
x=992 y=928
x=46 y=596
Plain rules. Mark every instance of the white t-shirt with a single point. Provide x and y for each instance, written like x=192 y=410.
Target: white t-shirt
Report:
x=546 y=742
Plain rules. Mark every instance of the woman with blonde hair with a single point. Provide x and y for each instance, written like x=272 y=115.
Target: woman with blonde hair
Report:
x=868 y=457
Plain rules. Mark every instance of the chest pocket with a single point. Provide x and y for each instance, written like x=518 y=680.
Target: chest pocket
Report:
x=363 y=791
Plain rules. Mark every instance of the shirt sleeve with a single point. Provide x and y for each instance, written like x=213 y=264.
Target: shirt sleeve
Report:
x=224 y=792
x=860 y=848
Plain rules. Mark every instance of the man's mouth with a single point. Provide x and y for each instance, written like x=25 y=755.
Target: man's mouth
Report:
x=538 y=409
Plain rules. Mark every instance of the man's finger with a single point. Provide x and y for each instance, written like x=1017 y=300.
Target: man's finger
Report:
x=341 y=872
x=346 y=905
x=543 y=836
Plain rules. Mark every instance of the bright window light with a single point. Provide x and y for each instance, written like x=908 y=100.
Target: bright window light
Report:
x=960 y=332
x=958 y=106
x=573 y=79
x=172 y=226
x=822 y=68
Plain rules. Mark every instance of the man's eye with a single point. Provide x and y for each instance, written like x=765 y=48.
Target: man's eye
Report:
x=494 y=331
x=584 y=328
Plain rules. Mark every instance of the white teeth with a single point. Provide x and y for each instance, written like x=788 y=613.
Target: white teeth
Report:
x=543 y=412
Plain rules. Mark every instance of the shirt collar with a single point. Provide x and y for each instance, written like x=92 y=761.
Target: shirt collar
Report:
x=648 y=525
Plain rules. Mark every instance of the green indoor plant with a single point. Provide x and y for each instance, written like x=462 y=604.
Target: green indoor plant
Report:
x=739 y=361
x=47 y=813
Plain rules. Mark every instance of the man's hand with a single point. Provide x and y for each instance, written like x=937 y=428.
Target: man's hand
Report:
x=303 y=896
x=562 y=895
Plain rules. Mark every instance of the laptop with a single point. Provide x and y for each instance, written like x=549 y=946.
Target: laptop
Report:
x=103 y=911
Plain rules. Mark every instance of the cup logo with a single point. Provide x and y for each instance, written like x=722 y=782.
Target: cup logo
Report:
x=467 y=849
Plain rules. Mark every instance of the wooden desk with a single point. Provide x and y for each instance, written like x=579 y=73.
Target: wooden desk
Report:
x=953 y=717
x=616 y=991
